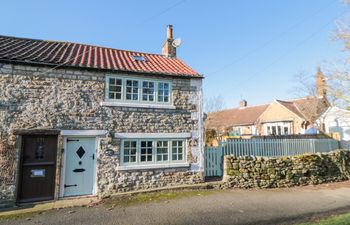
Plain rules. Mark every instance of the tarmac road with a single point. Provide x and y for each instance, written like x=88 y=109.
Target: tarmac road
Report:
x=277 y=206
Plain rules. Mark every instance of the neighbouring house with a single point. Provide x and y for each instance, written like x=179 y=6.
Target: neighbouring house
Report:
x=337 y=121
x=78 y=119
x=240 y=121
x=281 y=117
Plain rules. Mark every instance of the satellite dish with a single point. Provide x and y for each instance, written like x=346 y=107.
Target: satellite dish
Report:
x=177 y=42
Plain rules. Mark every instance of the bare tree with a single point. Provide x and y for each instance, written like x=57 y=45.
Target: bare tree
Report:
x=338 y=77
x=214 y=103
x=304 y=85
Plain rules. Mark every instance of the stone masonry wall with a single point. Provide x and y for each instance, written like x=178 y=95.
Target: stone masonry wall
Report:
x=261 y=172
x=68 y=99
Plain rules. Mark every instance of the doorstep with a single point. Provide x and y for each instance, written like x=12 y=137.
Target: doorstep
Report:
x=44 y=206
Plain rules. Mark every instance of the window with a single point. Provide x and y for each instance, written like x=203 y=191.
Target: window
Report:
x=138 y=58
x=115 y=88
x=163 y=92
x=137 y=90
x=146 y=151
x=277 y=128
x=148 y=91
x=132 y=90
x=177 y=150
x=152 y=151
x=130 y=151
x=274 y=130
x=162 y=151
x=236 y=131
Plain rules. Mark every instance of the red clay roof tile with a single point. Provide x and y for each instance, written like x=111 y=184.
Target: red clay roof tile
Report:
x=86 y=56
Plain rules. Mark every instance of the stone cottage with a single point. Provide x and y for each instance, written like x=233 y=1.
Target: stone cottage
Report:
x=77 y=119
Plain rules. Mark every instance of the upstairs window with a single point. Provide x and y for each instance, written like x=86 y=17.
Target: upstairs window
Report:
x=138 y=90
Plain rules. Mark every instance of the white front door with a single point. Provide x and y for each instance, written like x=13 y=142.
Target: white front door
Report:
x=80 y=166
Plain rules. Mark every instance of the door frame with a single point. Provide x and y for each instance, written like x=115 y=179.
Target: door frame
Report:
x=96 y=134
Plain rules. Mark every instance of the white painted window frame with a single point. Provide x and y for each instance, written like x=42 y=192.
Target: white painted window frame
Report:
x=139 y=101
x=276 y=124
x=154 y=161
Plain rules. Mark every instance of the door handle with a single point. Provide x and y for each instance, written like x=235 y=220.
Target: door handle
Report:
x=70 y=185
x=93 y=156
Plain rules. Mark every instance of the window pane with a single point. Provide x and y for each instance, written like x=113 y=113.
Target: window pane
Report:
x=163 y=92
x=146 y=151
x=162 y=150
x=147 y=91
x=130 y=151
x=177 y=150
x=132 y=90
x=115 y=88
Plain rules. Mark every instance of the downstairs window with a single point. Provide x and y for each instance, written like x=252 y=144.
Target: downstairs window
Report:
x=134 y=152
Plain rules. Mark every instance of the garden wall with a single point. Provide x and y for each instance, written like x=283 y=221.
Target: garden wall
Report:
x=262 y=172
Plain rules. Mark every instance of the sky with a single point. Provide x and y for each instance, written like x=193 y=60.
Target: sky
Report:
x=246 y=49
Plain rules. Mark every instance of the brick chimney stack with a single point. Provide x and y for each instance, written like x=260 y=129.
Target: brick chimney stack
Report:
x=243 y=104
x=321 y=86
x=168 y=49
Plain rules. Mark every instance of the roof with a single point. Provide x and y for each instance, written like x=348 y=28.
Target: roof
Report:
x=311 y=107
x=32 y=51
x=291 y=107
x=308 y=108
x=234 y=117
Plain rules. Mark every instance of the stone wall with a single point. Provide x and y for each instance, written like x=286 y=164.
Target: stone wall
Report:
x=261 y=172
x=70 y=99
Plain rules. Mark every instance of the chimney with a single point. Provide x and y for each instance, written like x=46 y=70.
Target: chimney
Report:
x=243 y=104
x=321 y=86
x=168 y=49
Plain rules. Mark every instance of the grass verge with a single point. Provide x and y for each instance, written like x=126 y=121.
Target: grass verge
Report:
x=342 y=219
x=143 y=198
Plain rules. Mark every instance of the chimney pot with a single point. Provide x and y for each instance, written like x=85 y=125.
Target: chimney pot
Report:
x=169 y=31
x=243 y=104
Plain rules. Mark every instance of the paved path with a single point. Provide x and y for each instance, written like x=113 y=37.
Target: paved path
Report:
x=280 y=206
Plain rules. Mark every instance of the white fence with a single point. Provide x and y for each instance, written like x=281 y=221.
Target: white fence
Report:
x=263 y=147
x=277 y=147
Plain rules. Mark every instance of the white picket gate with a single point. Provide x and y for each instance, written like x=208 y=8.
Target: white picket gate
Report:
x=262 y=147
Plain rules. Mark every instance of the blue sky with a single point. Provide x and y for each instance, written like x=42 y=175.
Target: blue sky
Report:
x=245 y=49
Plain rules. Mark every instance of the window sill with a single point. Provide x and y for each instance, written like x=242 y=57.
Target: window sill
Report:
x=137 y=105
x=153 y=166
